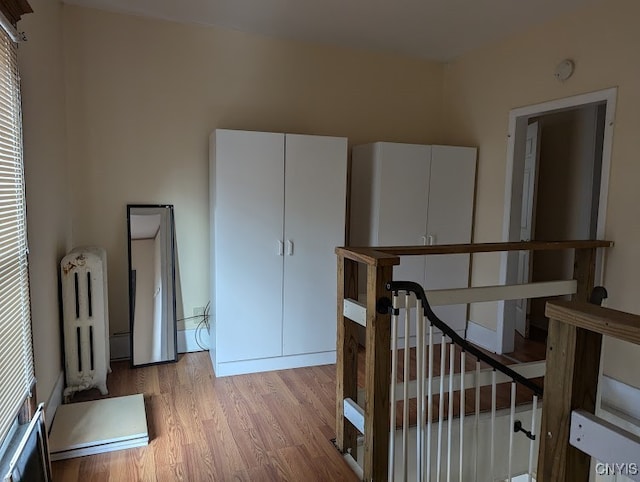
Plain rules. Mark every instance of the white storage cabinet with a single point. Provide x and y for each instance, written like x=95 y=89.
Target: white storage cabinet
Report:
x=278 y=212
x=408 y=194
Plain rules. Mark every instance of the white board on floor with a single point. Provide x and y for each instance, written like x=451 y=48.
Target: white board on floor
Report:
x=98 y=426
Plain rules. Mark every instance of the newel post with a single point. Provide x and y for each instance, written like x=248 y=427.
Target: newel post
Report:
x=571 y=382
x=378 y=377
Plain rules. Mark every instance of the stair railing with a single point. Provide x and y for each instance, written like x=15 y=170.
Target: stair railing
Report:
x=446 y=460
x=368 y=420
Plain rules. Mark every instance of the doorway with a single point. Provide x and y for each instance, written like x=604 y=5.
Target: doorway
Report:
x=556 y=189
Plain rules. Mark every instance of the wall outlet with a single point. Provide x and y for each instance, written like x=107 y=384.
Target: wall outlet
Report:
x=198 y=311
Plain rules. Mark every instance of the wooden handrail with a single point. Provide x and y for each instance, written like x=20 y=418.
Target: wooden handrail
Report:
x=387 y=255
x=571 y=382
x=618 y=324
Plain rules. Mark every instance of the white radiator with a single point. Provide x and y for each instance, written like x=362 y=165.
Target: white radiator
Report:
x=85 y=319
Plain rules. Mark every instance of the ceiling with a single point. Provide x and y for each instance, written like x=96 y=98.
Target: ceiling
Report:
x=432 y=29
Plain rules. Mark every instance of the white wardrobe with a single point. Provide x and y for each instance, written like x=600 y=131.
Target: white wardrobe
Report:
x=277 y=204
x=408 y=194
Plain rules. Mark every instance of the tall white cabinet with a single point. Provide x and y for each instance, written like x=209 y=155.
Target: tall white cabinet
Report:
x=408 y=194
x=277 y=204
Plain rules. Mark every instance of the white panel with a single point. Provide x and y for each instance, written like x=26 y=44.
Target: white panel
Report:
x=403 y=197
x=354 y=413
x=451 y=193
x=606 y=442
x=248 y=224
x=315 y=202
x=355 y=311
x=449 y=221
x=98 y=426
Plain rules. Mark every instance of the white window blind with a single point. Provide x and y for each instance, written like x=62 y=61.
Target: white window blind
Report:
x=16 y=352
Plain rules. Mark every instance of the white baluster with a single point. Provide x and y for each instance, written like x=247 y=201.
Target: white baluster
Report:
x=533 y=432
x=405 y=384
x=511 y=422
x=462 y=409
x=443 y=358
x=493 y=424
x=476 y=423
x=452 y=359
x=419 y=387
x=394 y=380
x=429 y=402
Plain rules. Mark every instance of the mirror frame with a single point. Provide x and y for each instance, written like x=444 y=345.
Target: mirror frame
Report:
x=173 y=313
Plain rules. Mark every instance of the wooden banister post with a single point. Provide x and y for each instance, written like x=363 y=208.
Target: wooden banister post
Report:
x=584 y=272
x=378 y=377
x=346 y=356
x=571 y=382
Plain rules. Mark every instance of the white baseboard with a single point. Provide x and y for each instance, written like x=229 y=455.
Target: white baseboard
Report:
x=54 y=400
x=481 y=336
x=276 y=363
x=121 y=349
x=187 y=341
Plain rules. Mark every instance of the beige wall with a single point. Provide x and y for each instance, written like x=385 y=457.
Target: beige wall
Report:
x=143 y=96
x=482 y=87
x=40 y=63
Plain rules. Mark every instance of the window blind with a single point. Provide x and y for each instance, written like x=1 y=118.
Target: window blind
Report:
x=16 y=352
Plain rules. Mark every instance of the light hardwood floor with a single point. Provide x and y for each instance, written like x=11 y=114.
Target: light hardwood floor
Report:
x=273 y=426
x=261 y=427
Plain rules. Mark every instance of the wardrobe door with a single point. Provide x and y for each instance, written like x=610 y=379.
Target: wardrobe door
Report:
x=248 y=226
x=314 y=224
x=403 y=184
x=449 y=221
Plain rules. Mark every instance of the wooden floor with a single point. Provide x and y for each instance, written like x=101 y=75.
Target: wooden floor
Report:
x=273 y=426
x=262 y=427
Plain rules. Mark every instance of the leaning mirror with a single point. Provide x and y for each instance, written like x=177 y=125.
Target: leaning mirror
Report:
x=152 y=295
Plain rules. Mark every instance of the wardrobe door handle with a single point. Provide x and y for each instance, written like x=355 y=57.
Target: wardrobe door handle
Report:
x=289 y=247
x=280 y=248
x=431 y=240
x=424 y=240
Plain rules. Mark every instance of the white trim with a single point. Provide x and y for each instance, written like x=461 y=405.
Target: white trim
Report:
x=188 y=343
x=277 y=363
x=482 y=336
x=505 y=328
x=54 y=400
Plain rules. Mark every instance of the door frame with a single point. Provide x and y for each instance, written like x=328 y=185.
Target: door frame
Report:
x=518 y=121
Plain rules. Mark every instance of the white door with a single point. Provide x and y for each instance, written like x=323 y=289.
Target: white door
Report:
x=403 y=185
x=315 y=204
x=527 y=219
x=449 y=221
x=248 y=237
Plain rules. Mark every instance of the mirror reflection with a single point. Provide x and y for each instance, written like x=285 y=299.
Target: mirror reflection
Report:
x=152 y=305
